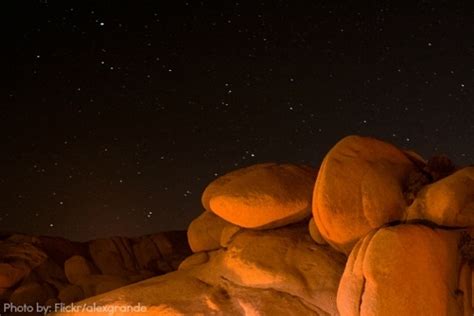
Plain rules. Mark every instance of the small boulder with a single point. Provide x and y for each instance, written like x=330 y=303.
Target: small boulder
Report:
x=262 y=196
x=205 y=232
x=51 y=273
x=194 y=260
x=30 y=294
x=77 y=267
x=10 y=275
x=314 y=233
x=70 y=294
x=113 y=256
x=447 y=202
x=146 y=253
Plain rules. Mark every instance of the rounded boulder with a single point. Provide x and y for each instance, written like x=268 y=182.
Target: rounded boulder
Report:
x=205 y=232
x=360 y=186
x=405 y=270
x=262 y=196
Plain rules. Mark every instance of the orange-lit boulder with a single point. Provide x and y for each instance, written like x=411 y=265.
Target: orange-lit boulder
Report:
x=447 y=202
x=404 y=270
x=77 y=267
x=262 y=196
x=360 y=186
x=205 y=232
x=194 y=260
x=314 y=232
x=286 y=260
x=180 y=293
x=271 y=272
x=10 y=275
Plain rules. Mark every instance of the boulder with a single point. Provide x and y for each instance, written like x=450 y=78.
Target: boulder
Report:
x=30 y=294
x=173 y=247
x=205 y=232
x=113 y=256
x=360 y=186
x=273 y=272
x=404 y=270
x=194 y=260
x=51 y=273
x=286 y=260
x=447 y=202
x=77 y=267
x=10 y=275
x=314 y=232
x=21 y=254
x=30 y=265
x=60 y=249
x=146 y=253
x=70 y=294
x=262 y=196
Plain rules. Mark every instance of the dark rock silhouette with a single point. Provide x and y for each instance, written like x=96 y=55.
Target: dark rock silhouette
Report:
x=48 y=270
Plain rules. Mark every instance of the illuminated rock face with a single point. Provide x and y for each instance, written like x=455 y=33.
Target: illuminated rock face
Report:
x=360 y=186
x=402 y=221
x=209 y=232
x=447 y=202
x=273 y=272
x=262 y=196
x=405 y=270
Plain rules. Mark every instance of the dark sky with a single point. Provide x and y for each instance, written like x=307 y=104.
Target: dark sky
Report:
x=115 y=117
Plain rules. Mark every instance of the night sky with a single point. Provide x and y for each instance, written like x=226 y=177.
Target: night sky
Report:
x=115 y=117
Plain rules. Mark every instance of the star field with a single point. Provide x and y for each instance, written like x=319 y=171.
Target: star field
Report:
x=115 y=117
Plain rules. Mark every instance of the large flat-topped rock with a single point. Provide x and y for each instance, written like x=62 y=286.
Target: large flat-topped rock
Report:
x=262 y=196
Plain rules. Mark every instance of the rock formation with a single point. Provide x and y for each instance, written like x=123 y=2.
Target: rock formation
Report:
x=48 y=270
x=270 y=272
x=405 y=270
x=360 y=187
x=390 y=235
x=262 y=196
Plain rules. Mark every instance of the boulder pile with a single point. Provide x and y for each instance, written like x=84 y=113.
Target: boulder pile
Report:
x=50 y=270
x=375 y=231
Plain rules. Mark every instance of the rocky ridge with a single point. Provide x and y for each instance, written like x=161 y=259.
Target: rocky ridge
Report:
x=49 y=270
x=377 y=230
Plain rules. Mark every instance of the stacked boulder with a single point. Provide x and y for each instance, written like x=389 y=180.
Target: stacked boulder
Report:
x=379 y=231
x=253 y=253
x=403 y=222
x=49 y=270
